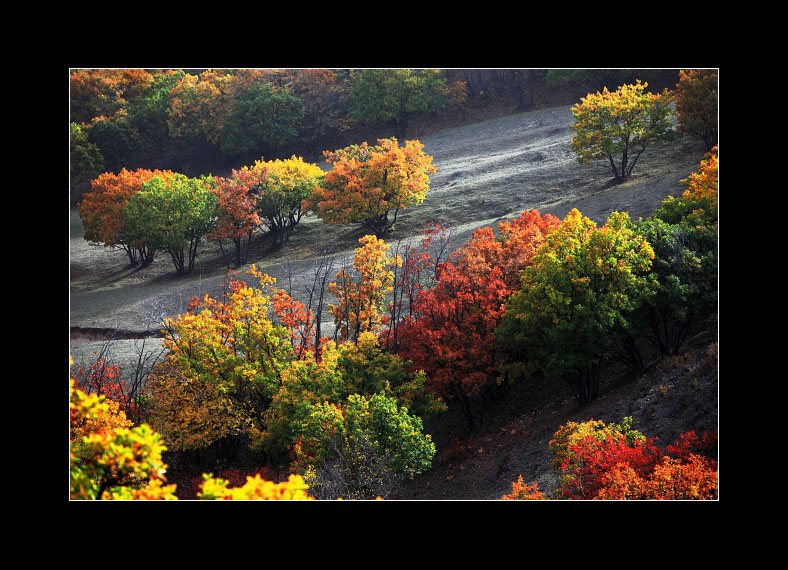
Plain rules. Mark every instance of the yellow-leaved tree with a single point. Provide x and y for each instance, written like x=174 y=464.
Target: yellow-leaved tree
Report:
x=281 y=194
x=615 y=127
x=111 y=459
x=225 y=358
x=362 y=292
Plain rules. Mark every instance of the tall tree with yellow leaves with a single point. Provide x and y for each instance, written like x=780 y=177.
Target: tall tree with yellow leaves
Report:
x=362 y=292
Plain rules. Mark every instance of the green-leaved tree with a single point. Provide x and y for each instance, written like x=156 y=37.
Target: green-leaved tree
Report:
x=172 y=215
x=393 y=95
x=575 y=300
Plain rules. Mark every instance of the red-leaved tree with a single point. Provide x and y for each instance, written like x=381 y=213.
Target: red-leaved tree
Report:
x=103 y=378
x=101 y=211
x=449 y=334
x=418 y=271
x=237 y=213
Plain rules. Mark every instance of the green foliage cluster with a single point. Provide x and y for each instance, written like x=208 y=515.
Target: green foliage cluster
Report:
x=262 y=118
x=172 y=215
x=362 y=368
x=575 y=298
x=125 y=118
x=128 y=118
x=235 y=372
x=353 y=449
x=85 y=159
x=145 y=211
x=395 y=94
x=595 y=293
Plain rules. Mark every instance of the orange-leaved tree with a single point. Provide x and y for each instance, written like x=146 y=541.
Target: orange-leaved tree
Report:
x=369 y=185
x=101 y=211
x=698 y=205
x=104 y=92
x=522 y=491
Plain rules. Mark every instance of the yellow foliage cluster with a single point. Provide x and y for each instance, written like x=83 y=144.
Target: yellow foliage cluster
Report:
x=255 y=489
x=361 y=299
x=113 y=460
x=116 y=461
x=90 y=413
x=613 y=125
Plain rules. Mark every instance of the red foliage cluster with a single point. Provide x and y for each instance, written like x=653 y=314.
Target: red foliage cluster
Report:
x=449 y=333
x=458 y=450
x=613 y=469
x=102 y=379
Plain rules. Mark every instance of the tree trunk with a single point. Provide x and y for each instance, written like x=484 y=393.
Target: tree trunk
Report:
x=467 y=410
x=178 y=260
x=585 y=383
x=132 y=257
x=401 y=124
x=631 y=355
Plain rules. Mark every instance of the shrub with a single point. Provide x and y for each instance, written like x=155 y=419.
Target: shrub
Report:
x=361 y=448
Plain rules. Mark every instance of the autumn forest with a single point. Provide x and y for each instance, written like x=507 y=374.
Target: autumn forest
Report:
x=260 y=390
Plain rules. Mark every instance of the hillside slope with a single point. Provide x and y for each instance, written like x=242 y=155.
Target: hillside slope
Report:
x=486 y=172
x=664 y=403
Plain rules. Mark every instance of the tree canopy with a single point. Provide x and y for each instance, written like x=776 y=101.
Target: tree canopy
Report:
x=367 y=184
x=574 y=298
x=615 y=127
x=394 y=94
